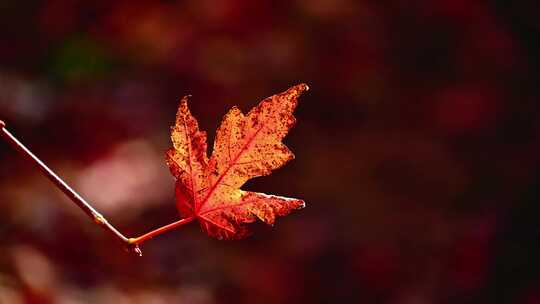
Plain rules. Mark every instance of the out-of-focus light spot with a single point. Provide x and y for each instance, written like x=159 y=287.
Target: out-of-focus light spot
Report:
x=9 y=295
x=34 y=269
x=27 y=99
x=109 y=294
x=112 y=294
x=70 y=295
x=154 y=297
x=132 y=176
x=195 y=294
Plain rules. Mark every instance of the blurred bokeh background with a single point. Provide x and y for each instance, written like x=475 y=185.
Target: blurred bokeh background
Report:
x=418 y=149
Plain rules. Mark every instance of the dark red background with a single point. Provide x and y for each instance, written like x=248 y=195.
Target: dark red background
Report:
x=417 y=149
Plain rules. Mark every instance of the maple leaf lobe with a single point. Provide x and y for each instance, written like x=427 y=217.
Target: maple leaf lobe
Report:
x=187 y=159
x=246 y=146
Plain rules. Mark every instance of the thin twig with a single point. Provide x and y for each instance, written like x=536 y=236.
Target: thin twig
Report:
x=131 y=244
x=139 y=240
x=68 y=191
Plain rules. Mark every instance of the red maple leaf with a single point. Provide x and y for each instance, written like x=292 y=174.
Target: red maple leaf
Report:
x=246 y=146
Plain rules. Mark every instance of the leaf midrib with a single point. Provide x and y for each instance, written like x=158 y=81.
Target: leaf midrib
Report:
x=231 y=164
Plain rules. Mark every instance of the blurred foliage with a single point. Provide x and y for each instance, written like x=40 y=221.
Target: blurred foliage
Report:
x=417 y=149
